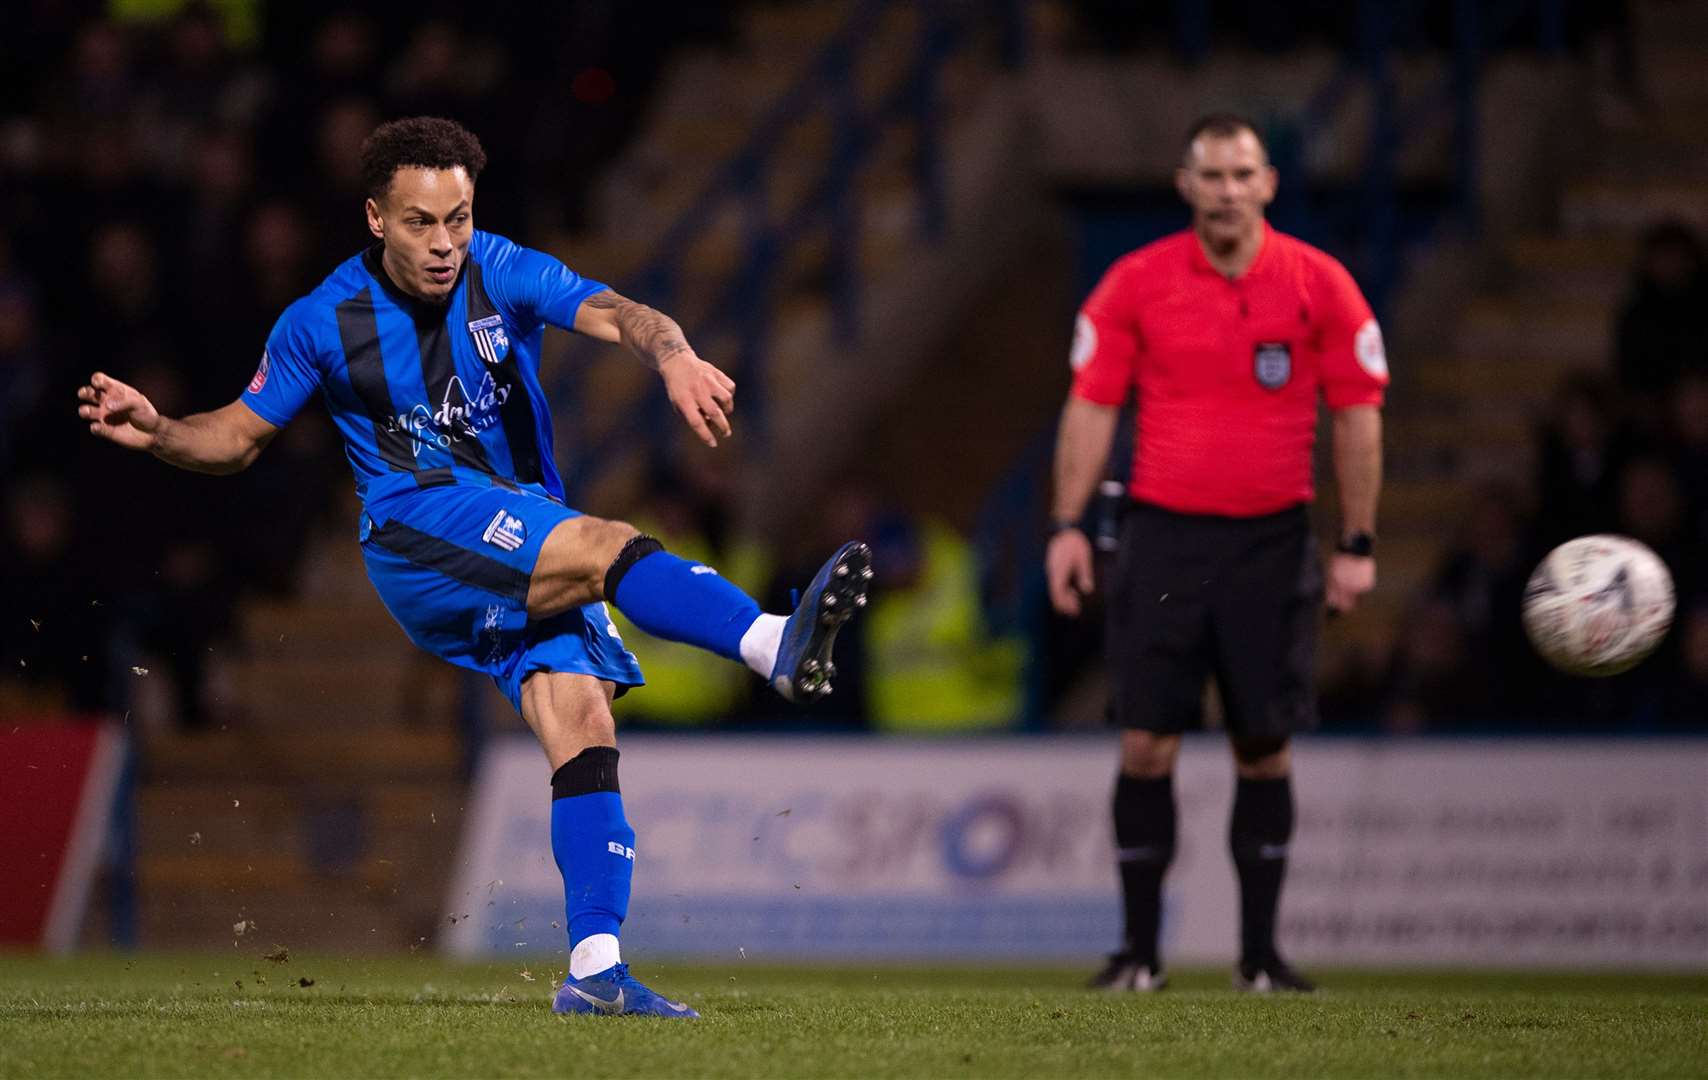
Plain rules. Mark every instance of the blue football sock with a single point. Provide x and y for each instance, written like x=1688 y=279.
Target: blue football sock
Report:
x=677 y=600
x=592 y=843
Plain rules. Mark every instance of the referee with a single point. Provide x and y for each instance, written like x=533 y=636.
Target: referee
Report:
x=1228 y=333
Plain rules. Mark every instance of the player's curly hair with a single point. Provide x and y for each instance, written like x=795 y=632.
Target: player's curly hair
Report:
x=427 y=142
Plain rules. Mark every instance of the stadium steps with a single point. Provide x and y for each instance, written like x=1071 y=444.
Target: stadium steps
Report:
x=1614 y=203
x=327 y=838
x=304 y=753
x=706 y=107
x=326 y=808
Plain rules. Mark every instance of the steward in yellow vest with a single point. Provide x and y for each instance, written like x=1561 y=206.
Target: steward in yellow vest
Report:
x=934 y=668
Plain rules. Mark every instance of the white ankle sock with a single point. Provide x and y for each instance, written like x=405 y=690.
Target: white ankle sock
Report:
x=760 y=644
x=593 y=954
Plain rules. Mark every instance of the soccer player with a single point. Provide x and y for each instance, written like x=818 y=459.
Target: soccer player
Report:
x=1229 y=332
x=426 y=350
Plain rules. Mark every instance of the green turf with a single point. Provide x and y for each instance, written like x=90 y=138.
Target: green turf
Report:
x=237 y=1014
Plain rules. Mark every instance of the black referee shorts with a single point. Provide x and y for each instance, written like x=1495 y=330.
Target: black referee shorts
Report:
x=1195 y=596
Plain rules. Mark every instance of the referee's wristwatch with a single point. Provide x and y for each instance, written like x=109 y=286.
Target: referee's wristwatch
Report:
x=1061 y=526
x=1361 y=544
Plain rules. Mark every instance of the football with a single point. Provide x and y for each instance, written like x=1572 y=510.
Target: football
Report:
x=1598 y=605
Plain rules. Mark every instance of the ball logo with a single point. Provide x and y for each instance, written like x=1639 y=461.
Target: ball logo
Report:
x=260 y=378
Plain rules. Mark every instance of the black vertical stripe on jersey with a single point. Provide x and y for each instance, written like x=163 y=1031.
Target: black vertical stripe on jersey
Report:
x=359 y=334
x=437 y=371
x=517 y=412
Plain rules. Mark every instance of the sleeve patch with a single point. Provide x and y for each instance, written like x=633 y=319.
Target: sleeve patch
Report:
x=260 y=379
x=1084 y=343
x=1368 y=348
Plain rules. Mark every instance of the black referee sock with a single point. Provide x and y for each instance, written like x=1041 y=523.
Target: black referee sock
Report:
x=1262 y=825
x=1144 y=838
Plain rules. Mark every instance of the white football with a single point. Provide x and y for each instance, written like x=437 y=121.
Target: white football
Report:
x=1598 y=605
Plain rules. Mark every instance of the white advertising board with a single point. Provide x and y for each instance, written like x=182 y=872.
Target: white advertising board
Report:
x=1472 y=852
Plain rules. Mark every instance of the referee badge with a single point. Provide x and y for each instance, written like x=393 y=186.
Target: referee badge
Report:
x=1272 y=364
x=490 y=341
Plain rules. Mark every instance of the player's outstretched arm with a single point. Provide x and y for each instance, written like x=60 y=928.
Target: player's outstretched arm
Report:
x=700 y=392
x=224 y=441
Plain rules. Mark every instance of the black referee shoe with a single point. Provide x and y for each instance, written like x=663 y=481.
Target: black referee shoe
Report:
x=1273 y=976
x=1125 y=972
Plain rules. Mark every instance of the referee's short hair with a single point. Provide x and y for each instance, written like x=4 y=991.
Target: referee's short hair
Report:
x=1222 y=125
x=423 y=142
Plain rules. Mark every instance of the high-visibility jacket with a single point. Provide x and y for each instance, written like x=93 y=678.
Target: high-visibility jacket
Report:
x=686 y=685
x=933 y=666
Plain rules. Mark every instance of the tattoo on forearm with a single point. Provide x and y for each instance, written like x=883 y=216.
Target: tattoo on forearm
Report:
x=651 y=334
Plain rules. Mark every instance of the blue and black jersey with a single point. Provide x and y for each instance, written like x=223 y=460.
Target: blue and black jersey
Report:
x=428 y=394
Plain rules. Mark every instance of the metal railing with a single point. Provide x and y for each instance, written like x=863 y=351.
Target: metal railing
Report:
x=747 y=295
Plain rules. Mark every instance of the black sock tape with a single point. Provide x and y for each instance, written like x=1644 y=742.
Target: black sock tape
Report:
x=594 y=769
x=638 y=548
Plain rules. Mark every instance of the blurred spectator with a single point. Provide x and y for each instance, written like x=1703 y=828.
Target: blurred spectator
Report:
x=170 y=584
x=270 y=264
x=98 y=84
x=53 y=642
x=125 y=311
x=1688 y=448
x=24 y=374
x=332 y=180
x=220 y=178
x=935 y=666
x=1652 y=509
x=341 y=66
x=1577 y=462
x=1687 y=697
x=444 y=71
x=1428 y=685
x=1481 y=583
x=1662 y=331
x=200 y=83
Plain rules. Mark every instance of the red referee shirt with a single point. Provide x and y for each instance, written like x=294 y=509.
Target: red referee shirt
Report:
x=1227 y=371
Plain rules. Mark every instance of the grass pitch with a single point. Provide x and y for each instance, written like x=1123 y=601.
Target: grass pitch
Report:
x=244 y=1014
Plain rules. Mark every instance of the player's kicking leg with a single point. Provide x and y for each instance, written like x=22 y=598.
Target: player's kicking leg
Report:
x=588 y=559
x=592 y=843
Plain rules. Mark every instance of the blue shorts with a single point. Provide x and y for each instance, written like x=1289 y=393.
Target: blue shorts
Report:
x=452 y=565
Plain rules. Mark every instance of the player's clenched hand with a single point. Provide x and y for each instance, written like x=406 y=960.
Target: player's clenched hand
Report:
x=1067 y=568
x=703 y=395
x=117 y=412
x=1349 y=577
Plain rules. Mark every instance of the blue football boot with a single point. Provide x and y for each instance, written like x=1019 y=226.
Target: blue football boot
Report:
x=803 y=670
x=614 y=992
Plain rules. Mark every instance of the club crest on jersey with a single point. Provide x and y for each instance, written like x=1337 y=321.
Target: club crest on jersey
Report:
x=490 y=340
x=1272 y=364
x=505 y=531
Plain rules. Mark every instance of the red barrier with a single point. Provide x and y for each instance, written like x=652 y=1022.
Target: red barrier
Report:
x=57 y=785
